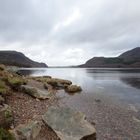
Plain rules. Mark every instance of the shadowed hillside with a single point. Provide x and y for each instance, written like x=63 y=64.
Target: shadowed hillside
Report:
x=130 y=58
x=14 y=58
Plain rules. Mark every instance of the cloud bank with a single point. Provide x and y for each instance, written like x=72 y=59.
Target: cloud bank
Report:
x=68 y=32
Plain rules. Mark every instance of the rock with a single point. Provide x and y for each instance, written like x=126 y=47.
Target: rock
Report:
x=6 y=116
x=69 y=124
x=16 y=82
x=2 y=100
x=52 y=83
x=2 y=67
x=61 y=81
x=136 y=119
x=40 y=94
x=97 y=100
x=58 y=83
x=73 y=89
x=27 y=131
x=46 y=86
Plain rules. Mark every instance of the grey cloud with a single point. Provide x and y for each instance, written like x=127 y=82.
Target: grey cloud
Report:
x=46 y=30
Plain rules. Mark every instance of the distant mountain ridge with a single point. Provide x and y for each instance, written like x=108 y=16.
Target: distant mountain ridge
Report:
x=14 y=58
x=129 y=58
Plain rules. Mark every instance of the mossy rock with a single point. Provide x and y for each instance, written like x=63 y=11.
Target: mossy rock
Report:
x=58 y=83
x=5 y=135
x=50 y=80
x=62 y=81
x=6 y=116
x=73 y=89
x=16 y=82
x=40 y=78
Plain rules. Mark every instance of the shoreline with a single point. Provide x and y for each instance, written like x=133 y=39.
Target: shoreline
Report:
x=28 y=98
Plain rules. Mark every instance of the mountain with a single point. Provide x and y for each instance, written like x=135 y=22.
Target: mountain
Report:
x=14 y=58
x=129 y=58
x=131 y=55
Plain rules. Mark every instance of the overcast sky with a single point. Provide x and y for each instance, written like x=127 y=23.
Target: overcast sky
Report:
x=69 y=32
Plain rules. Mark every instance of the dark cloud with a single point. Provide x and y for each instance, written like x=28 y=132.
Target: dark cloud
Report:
x=72 y=31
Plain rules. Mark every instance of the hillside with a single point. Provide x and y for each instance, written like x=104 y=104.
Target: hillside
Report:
x=129 y=58
x=13 y=58
x=131 y=55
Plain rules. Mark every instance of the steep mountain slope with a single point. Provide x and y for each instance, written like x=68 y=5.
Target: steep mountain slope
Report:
x=130 y=58
x=14 y=58
x=131 y=55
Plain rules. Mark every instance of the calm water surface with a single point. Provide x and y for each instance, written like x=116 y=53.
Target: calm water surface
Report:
x=123 y=84
x=110 y=98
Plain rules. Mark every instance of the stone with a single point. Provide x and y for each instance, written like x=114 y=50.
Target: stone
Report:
x=27 y=131
x=2 y=67
x=16 y=82
x=6 y=116
x=2 y=100
x=73 y=89
x=58 y=83
x=37 y=93
x=69 y=124
x=97 y=100
x=61 y=81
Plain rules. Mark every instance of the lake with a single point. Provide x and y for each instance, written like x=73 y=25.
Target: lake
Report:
x=110 y=98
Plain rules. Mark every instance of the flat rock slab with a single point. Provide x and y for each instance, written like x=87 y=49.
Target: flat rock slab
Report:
x=69 y=124
x=35 y=92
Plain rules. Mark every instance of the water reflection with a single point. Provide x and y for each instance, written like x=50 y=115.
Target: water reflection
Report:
x=130 y=77
x=89 y=77
x=123 y=84
x=27 y=72
x=131 y=81
x=112 y=70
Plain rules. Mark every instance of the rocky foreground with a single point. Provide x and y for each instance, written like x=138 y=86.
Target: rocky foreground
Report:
x=26 y=112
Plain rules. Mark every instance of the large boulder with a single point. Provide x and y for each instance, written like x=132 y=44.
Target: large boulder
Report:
x=35 y=92
x=69 y=124
x=6 y=116
x=27 y=131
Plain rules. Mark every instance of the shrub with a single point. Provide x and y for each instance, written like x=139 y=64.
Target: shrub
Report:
x=5 y=135
x=3 y=87
x=6 y=116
